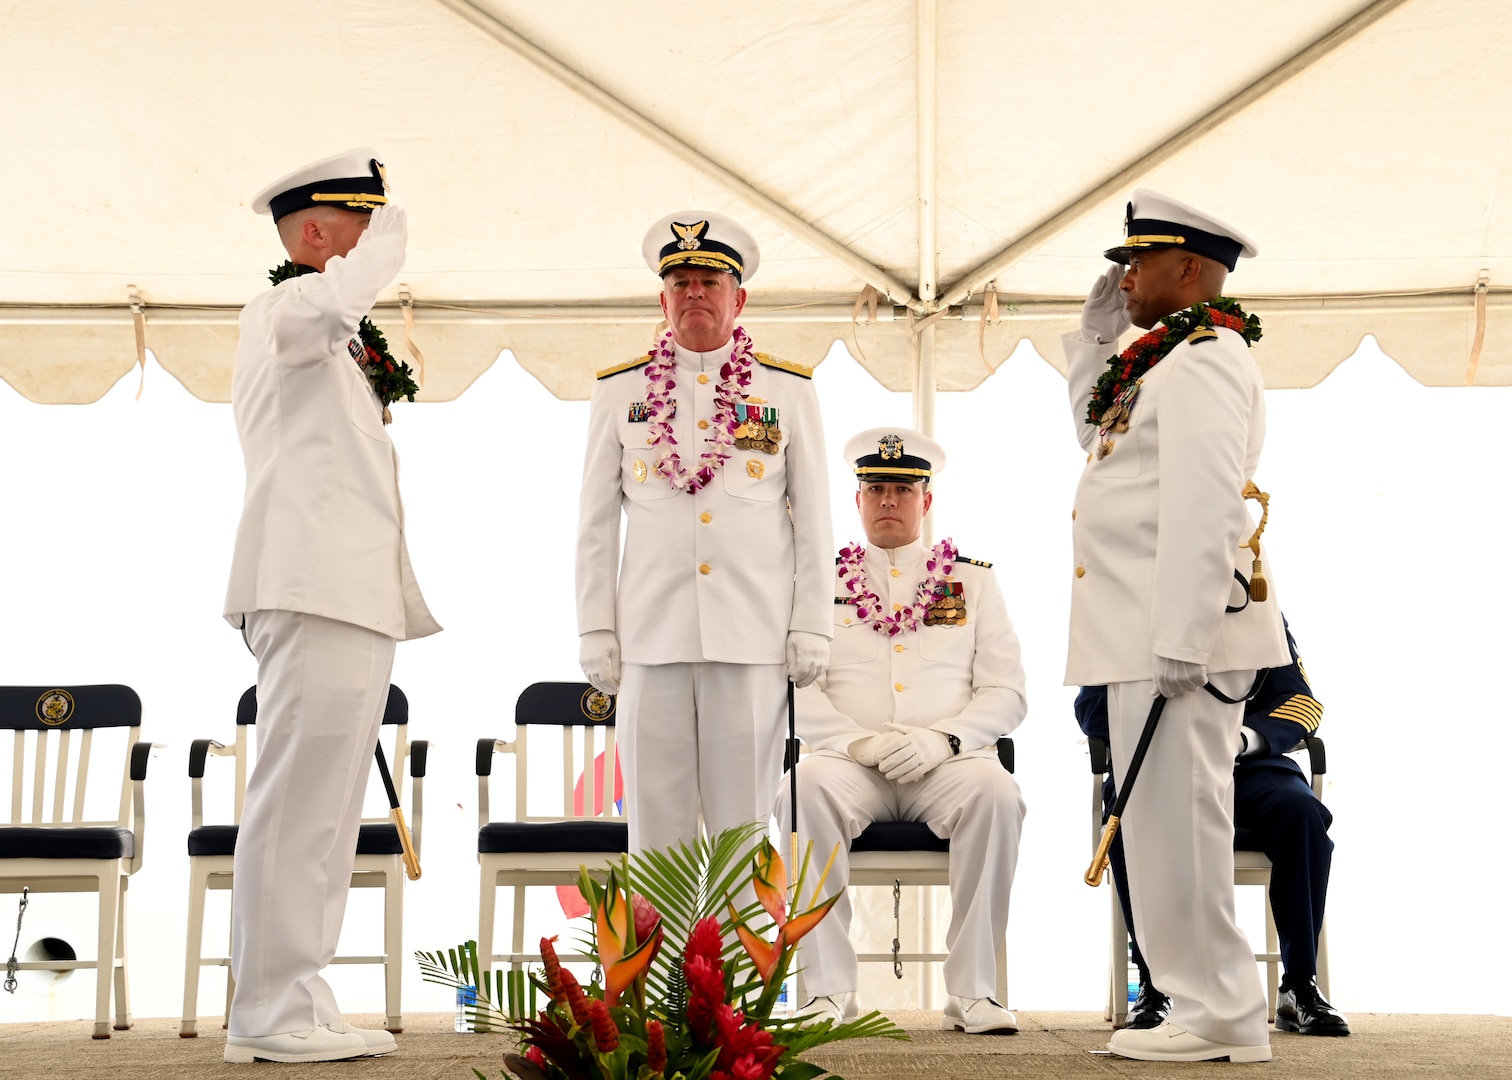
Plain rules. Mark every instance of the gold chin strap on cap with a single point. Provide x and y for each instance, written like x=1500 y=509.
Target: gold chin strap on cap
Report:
x=1258 y=589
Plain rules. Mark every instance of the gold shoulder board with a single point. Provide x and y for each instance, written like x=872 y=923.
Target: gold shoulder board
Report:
x=784 y=365
x=1205 y=334
x=974 y=562
x=629 y=365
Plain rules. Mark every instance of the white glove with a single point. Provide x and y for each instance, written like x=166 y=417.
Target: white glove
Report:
x=915 y=755
x=1176 y=677
x=807 y=656
x=1251 y=743
x=388 y=220
x=599 y=654
x=1103 y=315
x=869 y=749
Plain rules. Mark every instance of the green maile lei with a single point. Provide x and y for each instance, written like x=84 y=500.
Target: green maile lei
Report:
x=391 y=379
x=1128 y=367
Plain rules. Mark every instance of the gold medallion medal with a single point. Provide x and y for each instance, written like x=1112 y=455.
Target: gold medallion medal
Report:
x=640 y=471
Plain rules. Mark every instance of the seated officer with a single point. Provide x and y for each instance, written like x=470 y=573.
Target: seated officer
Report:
x=923 y=678
x=1276 y=812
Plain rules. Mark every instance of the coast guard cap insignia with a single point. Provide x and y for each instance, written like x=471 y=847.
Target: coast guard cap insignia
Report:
x=890 y=447
x=596 y=705
x=690 y=237
x=55 y=707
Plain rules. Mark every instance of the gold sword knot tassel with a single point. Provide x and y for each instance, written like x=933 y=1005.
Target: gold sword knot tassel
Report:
x=1258 y=588
x=411 y=859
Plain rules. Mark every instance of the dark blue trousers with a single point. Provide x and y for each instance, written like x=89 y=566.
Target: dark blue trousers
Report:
x=1276 y=812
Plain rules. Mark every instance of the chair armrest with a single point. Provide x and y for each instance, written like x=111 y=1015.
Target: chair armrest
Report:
x=1005 y=752
x=483 y=766
x=419 y=750
x=139 y=755
x=1317 y=763
x=1097 y=750
x=140 y=752
x=199 y=750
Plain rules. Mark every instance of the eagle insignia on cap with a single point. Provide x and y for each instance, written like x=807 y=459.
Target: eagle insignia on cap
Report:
x=379 y=171
x=890 y=447
x=690 y=237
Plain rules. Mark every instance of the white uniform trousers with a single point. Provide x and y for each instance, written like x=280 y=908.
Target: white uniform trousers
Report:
x=322 y=687
x=1178 y=837
x=971 y=801
x=699 y=737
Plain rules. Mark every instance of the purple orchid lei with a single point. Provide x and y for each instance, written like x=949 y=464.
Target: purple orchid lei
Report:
x=734 y=378
x=869 y=606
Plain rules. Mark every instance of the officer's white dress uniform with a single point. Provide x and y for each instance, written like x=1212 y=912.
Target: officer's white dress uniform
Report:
x=1156 y=532
x=963 y=680
x=709 y=585
x=321 y=583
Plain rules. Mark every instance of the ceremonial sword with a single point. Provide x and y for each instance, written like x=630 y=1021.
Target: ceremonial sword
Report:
x=396 y=814
x=1094 y=874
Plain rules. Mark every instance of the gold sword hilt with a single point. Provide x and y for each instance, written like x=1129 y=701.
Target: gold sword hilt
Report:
x=411 y=860
x=1094 y=875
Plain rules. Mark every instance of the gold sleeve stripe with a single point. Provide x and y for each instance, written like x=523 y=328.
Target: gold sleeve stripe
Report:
x=1201 y=335
x=628 y=365
x=1300 y=709
x=784 y=365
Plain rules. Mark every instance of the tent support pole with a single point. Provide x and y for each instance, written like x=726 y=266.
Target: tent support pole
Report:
x=1165 y=149
x=925 y=378
x=776 y=212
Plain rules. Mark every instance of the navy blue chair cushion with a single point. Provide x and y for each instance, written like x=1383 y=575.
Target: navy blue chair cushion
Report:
x=102 y=842
x=898 y=836
x=378 y=838
x=544 y=837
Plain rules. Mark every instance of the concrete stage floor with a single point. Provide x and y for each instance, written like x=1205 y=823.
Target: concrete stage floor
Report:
x=1048 y=1045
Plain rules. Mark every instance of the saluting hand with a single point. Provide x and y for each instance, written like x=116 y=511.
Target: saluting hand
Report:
x=1103 y=316
x=389 y=220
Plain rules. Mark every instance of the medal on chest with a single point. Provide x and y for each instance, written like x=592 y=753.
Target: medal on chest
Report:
x=757 y=426
x=1115 y=418
x=948 y=605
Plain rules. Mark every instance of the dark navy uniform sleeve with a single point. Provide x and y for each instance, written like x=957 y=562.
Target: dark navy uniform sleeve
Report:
x=1284 y=710
x=1092 y=711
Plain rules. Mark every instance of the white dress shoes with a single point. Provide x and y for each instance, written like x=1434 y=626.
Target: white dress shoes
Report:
x=978 y=1016
x=316 y=1044
x=837 y=1007
x=377 y=1040
x=1171 y=1043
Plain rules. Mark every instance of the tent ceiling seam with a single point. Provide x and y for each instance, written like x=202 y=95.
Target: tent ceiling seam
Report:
x=1167 y=148
x=780 y=215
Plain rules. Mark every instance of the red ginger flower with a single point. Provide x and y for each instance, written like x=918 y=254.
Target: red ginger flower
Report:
x=746 y=1051
x=577 y=1001
x=647 y=921
x=706 y=990
x=705 y=941
x=656 y=1047
x=553 y=969
x=605 y=1034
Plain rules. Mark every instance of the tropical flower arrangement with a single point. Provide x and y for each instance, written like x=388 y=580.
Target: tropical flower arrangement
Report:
x=869 y=606
x=689 y=985
x=1129 y=366
x=391 y=378
x=734 y=378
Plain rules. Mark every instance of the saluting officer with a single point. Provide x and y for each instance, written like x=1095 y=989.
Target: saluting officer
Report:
x=714 y=454
x=1173 y=427
x=321 y=587
x=924 y=677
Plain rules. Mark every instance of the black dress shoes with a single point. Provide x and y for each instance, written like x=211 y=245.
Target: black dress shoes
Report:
x=1304 y=1010
x=1150 y=1009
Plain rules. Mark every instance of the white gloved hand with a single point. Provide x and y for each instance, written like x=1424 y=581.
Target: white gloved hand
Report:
x=388 y=220
x=1103 y=316
x=869 y=749
x=1251 y=743
x=599 y=654
x=1176 y=677
x=807 y=656
x=918 y=752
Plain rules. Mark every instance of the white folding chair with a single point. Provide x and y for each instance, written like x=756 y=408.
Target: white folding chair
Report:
x=547 y=848
x=49 y=843
x=1250 y=868
x=379 y=857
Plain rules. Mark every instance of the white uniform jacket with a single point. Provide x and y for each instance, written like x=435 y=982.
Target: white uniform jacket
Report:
x=966 y=681
x=1158 y=521
x=721 y=574
x=322 y=526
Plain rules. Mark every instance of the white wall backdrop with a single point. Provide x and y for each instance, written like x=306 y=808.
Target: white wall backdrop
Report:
x=1386 y=540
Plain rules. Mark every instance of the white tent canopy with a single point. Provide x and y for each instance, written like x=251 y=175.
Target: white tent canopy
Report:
x=955 y=157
